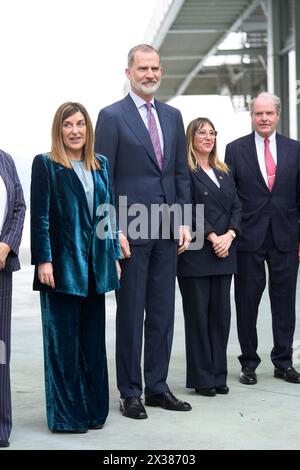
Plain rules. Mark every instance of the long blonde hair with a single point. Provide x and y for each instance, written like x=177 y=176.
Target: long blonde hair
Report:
x=58 y=150
x=213 y=159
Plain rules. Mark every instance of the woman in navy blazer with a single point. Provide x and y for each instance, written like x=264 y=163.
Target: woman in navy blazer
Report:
x=12 y=213
x=75 y=250
x=204 y=275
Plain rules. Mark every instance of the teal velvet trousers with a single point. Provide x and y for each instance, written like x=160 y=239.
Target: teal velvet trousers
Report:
x=75 y=362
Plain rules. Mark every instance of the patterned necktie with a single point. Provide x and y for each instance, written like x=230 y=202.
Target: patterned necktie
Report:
x=153 y=131
x=270 y=165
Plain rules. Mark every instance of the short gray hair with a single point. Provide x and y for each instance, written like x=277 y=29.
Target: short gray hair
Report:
x=140 y=47
x=266 y=95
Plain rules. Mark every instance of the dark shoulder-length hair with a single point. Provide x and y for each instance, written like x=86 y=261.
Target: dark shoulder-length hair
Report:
x=58 y=151
x=213 y=159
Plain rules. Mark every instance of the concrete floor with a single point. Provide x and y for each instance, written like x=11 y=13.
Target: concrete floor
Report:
x=265 y=416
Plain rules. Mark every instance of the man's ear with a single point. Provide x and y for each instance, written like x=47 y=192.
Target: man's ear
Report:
x=127 y=72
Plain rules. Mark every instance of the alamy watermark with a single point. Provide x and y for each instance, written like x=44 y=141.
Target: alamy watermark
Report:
x=142 y=222
x=2 y=352
x=298 y=91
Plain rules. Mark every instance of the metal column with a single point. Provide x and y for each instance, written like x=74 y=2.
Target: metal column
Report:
x=284 y=37
x=296 y=17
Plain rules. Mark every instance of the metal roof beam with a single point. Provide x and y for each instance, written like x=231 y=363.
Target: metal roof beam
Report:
x=167 y=58
x=234 y=27
x=167 y=22
x=197 y=31
x=252 y=51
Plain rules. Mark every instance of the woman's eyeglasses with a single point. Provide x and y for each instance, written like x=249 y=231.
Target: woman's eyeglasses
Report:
x=203 y=134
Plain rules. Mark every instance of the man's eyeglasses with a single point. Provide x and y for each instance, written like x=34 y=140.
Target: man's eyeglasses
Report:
x=210 y=134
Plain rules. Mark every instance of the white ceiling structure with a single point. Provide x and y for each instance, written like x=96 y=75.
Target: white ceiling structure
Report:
x=190 y=35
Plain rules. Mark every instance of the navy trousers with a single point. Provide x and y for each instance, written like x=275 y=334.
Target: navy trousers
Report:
x=75 y=360
x=5 y=330
x=250 y=283
x=147 y=285
x=206 y=307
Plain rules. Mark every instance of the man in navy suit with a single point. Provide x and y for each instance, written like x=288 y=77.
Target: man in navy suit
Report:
x=145 y=143
x=12 y=212
x=266 y=168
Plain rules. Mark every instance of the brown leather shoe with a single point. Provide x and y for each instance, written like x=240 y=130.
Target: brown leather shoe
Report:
x=289 y=375
x=248 y=376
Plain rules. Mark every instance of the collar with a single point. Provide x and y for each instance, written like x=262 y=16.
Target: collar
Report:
x=138 y=101
x=261 y=139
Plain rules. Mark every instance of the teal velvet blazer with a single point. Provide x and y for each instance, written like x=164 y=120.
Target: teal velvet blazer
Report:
x=63 y=232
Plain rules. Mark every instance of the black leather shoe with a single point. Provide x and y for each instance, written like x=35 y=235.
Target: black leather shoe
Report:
x=4 y=443
x=132 y=407
x=223 y=390
x=96 y=426
x=167 y=401
x=69 y=431
x=248 y=376
x=289 y=375
x=206 y=392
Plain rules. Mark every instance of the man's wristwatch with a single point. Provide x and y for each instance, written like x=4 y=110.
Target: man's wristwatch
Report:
x=232 y=233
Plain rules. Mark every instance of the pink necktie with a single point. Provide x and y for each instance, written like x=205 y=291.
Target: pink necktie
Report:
x=153 y=131
x=270 y=165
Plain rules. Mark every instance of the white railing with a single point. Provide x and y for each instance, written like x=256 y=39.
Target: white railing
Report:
x=156 y=21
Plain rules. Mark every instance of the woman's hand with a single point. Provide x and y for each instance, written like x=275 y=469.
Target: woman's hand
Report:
x=4 y=250
x=222 y=244
x=124 y=244
x=45 y=274
x=118 y=269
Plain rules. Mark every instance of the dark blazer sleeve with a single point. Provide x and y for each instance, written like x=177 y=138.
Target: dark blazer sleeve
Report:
x=107 y=139
x=182 y=179
x=298 y=191
x=207 y=226
x=12 y=230
x=236 y=210
x=40 y=206
x=114 y=222
x=230 y=161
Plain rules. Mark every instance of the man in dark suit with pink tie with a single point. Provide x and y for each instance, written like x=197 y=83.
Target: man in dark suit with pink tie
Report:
x=145 y=144
x=12 y=212
x=266 y=169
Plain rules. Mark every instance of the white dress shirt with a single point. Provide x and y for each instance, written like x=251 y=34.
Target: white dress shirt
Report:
x=212 y=176
x=140 y=104
x=3 y=203
x=260 y=149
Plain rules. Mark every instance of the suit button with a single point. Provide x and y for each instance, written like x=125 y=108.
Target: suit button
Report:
x=205 y=193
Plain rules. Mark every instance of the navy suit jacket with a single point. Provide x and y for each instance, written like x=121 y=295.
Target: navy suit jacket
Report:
x=260 y=207
x=122 y=136
x=222 y=211
x=11 y=233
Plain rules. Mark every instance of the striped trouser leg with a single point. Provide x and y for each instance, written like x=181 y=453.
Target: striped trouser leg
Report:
x=5 y=329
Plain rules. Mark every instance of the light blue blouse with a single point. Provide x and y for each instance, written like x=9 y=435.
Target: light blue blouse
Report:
x=87 y=182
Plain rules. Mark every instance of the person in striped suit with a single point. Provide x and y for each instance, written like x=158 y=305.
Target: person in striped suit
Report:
x=12 y=213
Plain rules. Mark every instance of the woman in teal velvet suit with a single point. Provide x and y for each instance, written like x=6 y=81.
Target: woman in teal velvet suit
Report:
x=75 y=251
